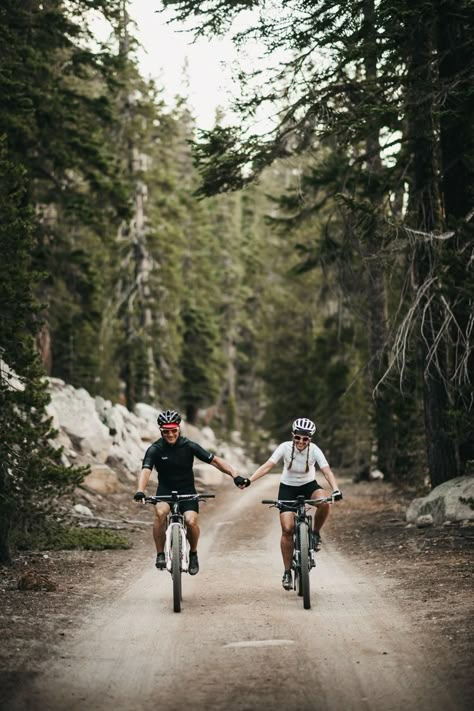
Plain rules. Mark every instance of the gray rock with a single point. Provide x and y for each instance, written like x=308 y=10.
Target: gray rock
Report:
x=125 y=460
x=83 y=510
x=375 y=475
x=102 y=480
x=113 y=440
x=102 y=406
x=204 y=437
x=9 y=378
x=451 y=501
x=207 y=475
x=209 y=435
x=77 y=416
x=115 y=421
x=147 y=424
x=424 y=521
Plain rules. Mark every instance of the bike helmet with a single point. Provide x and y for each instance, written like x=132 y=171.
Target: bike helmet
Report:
x=303 y=426
x=168 y=418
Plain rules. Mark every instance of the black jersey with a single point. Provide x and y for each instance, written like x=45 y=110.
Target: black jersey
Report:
x=174 y=463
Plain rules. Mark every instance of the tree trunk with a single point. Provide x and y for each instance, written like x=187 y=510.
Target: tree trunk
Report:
x=191 y=413
x=5 y=518
x=143 y=269
x=5 y=550
x=139 y=381
x=455 y=35
x=455 y=51
x=376 y=282
x=427 y=211
x=43 y=346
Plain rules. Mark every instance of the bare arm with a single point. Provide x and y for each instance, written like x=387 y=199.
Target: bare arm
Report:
x=143 y=479
x=262 y=470
x=330 y=478
x=223 y=466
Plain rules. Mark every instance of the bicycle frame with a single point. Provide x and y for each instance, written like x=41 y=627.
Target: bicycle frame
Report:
x=303 y=552
x=302 y=516
x=176 y=518
x=176 y=541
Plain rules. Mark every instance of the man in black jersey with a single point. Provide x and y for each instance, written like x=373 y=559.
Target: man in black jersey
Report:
x=173 y=456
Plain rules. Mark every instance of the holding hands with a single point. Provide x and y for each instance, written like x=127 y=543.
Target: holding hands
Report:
x=241 y=482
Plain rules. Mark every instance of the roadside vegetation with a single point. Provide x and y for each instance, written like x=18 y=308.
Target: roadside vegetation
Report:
x=322 y=268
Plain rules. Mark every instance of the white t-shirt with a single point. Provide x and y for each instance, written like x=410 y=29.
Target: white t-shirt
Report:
x=297 y=475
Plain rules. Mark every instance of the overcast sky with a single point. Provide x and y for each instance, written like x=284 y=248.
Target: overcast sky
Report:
x=164 y=53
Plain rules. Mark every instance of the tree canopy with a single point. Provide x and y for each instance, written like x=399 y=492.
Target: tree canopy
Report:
x=321 y=265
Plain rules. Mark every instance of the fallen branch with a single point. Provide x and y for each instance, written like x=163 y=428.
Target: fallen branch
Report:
x=119 y=522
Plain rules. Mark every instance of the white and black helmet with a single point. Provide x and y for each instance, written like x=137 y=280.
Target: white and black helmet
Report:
x=303 y=426
x=168 y=417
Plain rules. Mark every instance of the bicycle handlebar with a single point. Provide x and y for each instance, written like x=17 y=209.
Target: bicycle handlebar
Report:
x=177 y=497
x=297 y=502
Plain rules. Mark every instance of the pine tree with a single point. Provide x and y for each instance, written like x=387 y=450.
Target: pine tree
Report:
x=403 y=72
x=56 y=114
x=31 y=472
x=51 y=162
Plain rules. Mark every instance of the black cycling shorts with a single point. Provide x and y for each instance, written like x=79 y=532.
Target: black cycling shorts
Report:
x=287 y=492
x=191 y=505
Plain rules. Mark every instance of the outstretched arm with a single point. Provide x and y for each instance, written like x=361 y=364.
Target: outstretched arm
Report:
x=262 y=470
x=223 y=466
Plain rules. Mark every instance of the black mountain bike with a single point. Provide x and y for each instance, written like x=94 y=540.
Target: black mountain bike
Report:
x=176 y=541
x=303 y=545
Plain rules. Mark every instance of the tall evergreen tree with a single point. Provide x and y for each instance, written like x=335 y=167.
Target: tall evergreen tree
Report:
x=51 y=161
x=31 y=472
x=389 y=70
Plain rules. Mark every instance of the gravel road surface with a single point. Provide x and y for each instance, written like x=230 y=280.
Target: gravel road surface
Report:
x=241 y=642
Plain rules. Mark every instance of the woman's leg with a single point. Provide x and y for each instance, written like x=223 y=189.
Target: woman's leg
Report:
x=287 y=520
x=322 y=511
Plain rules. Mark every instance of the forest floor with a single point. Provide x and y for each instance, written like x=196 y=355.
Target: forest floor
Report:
x=429 y=571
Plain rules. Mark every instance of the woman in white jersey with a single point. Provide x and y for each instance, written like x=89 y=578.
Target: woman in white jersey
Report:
x=300 y=456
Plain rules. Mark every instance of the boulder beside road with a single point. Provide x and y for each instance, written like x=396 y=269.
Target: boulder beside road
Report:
x=451 y=501
x=77 y=417
x=112 y=440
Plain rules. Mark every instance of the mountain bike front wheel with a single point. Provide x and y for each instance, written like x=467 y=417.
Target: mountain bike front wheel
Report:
x=176 y=567
x=304 y=565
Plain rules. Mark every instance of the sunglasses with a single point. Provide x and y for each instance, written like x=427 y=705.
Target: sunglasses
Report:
x=170 y=431
x=300 y=438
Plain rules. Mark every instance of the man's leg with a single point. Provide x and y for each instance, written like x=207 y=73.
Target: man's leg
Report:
x=192 y=526
x=191 y=518
x=159 y=533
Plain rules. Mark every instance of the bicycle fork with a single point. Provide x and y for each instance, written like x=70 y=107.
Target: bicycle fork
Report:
x=183 y=547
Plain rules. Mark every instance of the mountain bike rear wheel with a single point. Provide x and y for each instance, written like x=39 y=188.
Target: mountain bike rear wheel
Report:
x=298 y=586
x=296 y=567
x=304 y=564
x=176 y=567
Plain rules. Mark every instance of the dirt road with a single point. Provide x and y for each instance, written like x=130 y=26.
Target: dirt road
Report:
x=243 y=643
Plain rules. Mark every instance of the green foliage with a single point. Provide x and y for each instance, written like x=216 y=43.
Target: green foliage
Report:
x=201 y=360
x=63 y=538
x=31 y=472
x=392 y=103
x=284 y=297
x=56 y=113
